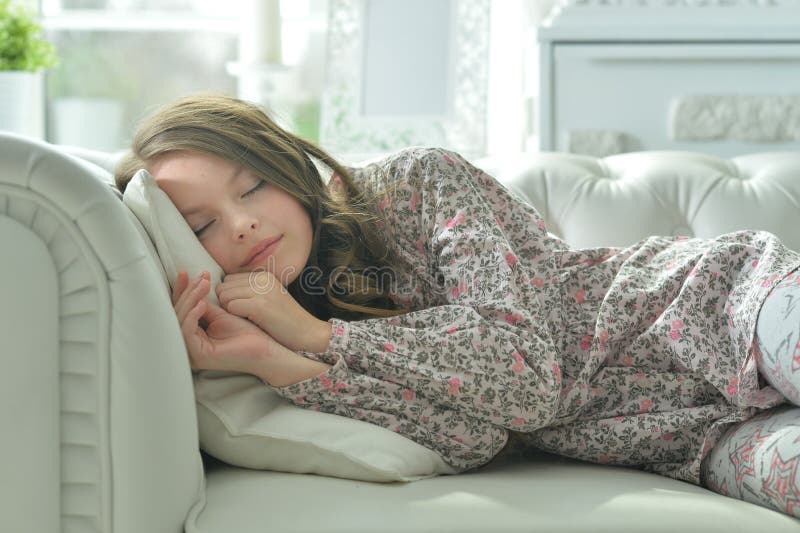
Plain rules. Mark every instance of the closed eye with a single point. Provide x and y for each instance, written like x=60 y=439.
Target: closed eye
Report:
x=260 y=184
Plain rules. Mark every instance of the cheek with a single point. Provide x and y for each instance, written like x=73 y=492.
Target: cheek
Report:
x=216 y=253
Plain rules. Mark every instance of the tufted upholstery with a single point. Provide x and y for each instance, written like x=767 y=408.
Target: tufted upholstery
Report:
x=99 y=432
x=618 y=200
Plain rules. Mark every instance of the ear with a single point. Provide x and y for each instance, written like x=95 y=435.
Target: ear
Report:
x=335 y=184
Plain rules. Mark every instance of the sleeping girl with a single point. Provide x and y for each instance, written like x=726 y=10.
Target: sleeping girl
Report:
x=418 y=294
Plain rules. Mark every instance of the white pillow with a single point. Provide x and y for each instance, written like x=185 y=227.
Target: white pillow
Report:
x=242 y=421
x=176 y=244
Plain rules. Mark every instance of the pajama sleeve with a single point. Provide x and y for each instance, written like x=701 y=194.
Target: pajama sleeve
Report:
x=479 y=361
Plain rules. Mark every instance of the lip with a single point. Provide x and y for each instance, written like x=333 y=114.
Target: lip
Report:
x=261 y=251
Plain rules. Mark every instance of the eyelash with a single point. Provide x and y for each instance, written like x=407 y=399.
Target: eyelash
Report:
x=261 y=184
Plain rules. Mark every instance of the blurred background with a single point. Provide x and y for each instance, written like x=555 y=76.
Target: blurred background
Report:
x=482 y=77
x=120 y=59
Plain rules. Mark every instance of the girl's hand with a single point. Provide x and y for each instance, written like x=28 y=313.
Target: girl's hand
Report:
x=260 y=297
x=228 y=342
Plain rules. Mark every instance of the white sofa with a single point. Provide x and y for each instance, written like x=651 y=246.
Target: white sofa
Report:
x=99 y=430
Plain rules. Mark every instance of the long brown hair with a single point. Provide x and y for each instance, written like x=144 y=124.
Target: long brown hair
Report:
x=346 y=247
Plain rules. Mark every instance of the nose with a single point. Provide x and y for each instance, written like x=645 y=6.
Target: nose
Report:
x=244 y=226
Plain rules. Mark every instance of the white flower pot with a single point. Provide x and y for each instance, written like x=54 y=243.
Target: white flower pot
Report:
x=21 y=103
x=95 y=123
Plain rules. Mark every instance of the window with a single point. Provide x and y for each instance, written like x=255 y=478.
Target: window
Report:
x=122 y=59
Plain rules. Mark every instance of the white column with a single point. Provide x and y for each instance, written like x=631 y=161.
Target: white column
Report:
x=260 y=40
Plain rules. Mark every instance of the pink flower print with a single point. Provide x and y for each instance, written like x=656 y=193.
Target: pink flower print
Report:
x=618 y=418
x=461 y=289
x=668 y=436
x=675 y=335
x=458 y=219
x=338 y=331
x=733 y=386
x=540 y=223
x=511 y=259
x=557 y=373
x=454 y=383
x=420 y=248
x=388 y=347
x=499 y=222
x=579 y=296
x=603 y=338
x=754 y=263
x=517 y=421
x=645 y=405
x=447 y=158
x=586 y=342
x=383 y=204
x=408 y=395
x=519 y=364
x=451 y=331
x=537 y=282
x=513 y=318
x=414 y=200
x=327 y=384
x=602 y=459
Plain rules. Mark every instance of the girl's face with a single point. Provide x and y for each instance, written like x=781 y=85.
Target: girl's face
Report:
x=233 y=213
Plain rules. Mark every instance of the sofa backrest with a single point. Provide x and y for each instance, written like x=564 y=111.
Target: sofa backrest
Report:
x=618 y=200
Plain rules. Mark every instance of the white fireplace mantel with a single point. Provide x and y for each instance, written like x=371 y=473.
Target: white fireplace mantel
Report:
x=700 y=20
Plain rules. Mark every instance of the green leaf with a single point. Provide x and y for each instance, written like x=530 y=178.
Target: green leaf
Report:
x=21 y=44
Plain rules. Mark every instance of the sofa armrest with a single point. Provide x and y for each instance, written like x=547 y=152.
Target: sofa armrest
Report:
x=96 y=398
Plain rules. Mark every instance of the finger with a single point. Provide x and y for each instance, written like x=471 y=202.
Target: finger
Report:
x=228 y=293
x=190 y=297
x=181 y=280
x=212 y=311
x=243 y=307
x=181 y=305
x=190 y=328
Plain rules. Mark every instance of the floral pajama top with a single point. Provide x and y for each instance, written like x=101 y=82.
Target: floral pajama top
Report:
x=637 y=356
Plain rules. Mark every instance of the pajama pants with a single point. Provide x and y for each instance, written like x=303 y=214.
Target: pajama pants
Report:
x=758 y=460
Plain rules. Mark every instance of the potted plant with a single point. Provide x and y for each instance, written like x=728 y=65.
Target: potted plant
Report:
x=23 y=55
x=89 y=92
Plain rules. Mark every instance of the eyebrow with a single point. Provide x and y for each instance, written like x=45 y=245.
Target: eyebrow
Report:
x=233 y=178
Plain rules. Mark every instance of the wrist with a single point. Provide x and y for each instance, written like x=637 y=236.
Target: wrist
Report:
x=283 y=367
x=319 y=338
